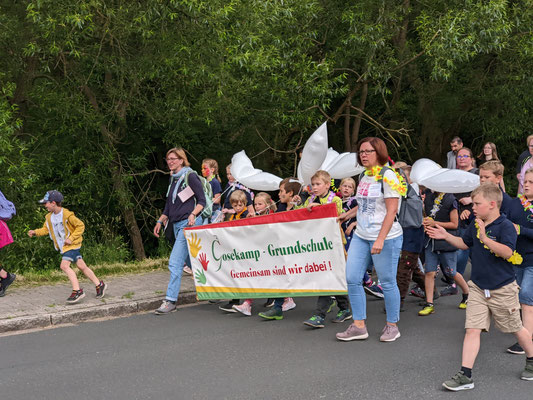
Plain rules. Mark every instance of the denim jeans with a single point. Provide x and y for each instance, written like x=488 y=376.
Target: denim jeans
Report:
x=178 y=257
x=524 y=278
x=386 y=265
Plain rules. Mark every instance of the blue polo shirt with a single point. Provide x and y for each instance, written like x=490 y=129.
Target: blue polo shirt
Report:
x=524 y=218
x=489 y=271
x=216 y=187
x=506 y=204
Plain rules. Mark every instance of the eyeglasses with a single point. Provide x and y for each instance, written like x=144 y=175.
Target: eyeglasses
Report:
x=168 y=159
x=465 y=156
x=367 y=152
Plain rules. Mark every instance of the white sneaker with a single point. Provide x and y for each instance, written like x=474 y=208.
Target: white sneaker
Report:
x=245 y=308
x=187 y=270
x=288 y=304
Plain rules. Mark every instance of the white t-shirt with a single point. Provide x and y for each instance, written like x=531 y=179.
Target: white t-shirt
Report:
x=372 y=209
x=59 y=229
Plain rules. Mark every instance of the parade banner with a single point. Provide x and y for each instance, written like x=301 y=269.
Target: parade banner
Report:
x=289 y=254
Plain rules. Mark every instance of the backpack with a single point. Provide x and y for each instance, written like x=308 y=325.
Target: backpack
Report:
x=7 y=208
x=208 y=193
x=411 y=212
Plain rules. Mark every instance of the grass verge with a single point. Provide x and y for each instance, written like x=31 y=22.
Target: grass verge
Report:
x=49 y=277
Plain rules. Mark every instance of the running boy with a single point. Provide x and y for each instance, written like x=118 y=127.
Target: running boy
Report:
x=493 y=288
x=320 y=184
x=66 y=231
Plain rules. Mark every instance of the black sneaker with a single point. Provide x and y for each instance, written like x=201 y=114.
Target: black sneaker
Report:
x=100 y=290
x=516 y=349
x=9 y=279
x=75 y=296
x=269 y=303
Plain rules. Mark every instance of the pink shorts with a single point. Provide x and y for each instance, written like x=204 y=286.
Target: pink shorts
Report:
x=5 y=235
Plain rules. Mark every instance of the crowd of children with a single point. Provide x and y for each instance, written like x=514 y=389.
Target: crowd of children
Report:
x=486 y=226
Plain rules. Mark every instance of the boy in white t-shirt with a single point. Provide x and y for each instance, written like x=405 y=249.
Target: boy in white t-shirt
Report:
x=66 y=232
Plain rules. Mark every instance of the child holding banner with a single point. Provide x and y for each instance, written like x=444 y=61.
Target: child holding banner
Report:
x=320 y=183
x=231 y=187
x=289 y=189
x=263 y=205
x=238 y=200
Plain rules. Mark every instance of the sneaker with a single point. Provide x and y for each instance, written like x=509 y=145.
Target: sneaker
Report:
x=245 y=308
x=462 y=304
x=269 y=303
x=449 y=290
x=342 y=315
x=516 y=349
x=166 y=308
x=316 y=321
x=100 y=290
x=6 y=282
x=228 y=307
x=331 y=305
x=390 y=333
x=288 y=304
x=187 y=270
x=527 y=373
x=352 y=333
x=75 y=296
x=273 y=313
x=428 y=309
x=375 y=290
x=459 y=382
x=417 y=292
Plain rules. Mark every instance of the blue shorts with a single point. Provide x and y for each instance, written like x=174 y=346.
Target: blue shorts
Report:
x=524 y=278
x=71 y=255
x=446 y=259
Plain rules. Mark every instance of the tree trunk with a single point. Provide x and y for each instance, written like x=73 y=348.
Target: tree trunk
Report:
x=347 y=143
x=124 y=194
x=359 y=116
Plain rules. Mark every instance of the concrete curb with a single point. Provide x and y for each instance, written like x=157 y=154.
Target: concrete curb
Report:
x=85 y=314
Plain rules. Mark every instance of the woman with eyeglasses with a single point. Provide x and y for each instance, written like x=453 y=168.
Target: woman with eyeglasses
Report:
x=526 y=165
x=465 y=162
x=185 y=202
x=377 y=239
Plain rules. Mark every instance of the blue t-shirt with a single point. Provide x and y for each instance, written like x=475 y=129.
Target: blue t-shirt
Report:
x=216 y=187
x=506 y=204
x=524 y=243
x=489 y=271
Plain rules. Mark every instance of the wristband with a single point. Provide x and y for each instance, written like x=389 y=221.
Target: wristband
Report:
x=159 y=222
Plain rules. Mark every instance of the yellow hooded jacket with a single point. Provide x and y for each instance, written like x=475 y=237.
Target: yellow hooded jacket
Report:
x=74 y=228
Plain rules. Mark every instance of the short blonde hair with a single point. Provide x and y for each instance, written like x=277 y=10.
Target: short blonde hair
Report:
x=490 y=191
x=348 y=180
x=267 y=199
x=324 y=176
x=238 y=196
x=495 y=166
x=180 y=153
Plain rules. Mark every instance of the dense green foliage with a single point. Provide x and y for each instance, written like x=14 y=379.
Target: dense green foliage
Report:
x=94 y=92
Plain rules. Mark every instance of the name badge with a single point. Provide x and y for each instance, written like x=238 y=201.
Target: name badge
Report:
x=374 y=190
x=487 y=294
x=185 y=194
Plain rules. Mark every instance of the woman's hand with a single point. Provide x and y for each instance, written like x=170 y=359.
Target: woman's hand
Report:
x=191 y=219
x=377 y=246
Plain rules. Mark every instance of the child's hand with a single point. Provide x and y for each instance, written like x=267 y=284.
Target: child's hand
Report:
x=350 y=228
x=517 y=227
x=465 y=214
x=436 y=232
x=68 y=241
x=341 y=218
x=429 y=222
x=31 y=233
x=296 y=200
x=466 y=201
x=310 y=206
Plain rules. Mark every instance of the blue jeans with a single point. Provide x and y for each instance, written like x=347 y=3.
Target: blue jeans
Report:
x=524 y=278
x=178 y=257
x=386 y=265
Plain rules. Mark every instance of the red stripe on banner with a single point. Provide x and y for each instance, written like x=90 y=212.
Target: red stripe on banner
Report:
x=323 y=211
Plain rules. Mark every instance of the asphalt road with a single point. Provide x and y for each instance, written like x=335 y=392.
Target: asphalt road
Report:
x=201 y=353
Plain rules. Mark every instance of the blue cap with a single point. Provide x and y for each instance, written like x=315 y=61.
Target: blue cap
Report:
x=52 y=195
